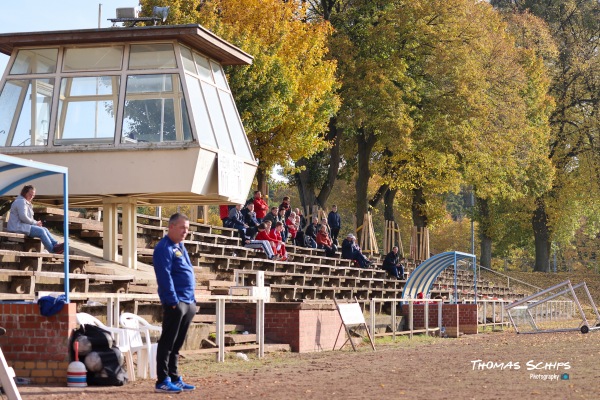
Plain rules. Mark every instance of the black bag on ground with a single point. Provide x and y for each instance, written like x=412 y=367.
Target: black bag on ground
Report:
x=102 y=359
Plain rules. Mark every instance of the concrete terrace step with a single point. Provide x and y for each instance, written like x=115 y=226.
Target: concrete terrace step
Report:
x=240 y=338
x=269 y=348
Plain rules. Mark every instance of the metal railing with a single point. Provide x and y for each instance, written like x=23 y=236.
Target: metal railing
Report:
x=411 y=328
x=508 y=278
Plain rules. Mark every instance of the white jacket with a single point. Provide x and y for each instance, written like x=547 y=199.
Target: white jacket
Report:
x=21 y=216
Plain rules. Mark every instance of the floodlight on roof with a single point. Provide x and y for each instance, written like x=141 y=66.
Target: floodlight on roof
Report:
x=160 y=12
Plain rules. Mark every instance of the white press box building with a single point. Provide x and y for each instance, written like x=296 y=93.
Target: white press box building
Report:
x=138 y=115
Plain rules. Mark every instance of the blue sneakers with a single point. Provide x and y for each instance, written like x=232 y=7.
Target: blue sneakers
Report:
x=180 y=384
x=167 y=386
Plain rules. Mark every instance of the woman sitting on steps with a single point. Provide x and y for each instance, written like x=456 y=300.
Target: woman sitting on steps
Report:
x=21 y=221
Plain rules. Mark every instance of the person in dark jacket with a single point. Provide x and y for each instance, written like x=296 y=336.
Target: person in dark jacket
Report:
x=273 y=216
x=335 y=223
x=250 y=220
x=285 y=204
x=310 y=235
x=236 y=219
x=392 y=264
x=351 y=251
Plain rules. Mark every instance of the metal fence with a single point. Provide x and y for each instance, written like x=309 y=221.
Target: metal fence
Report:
x=411 y=328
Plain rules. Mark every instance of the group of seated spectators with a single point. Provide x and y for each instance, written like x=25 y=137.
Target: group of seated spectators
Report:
x=287 y=223
x=271 y=230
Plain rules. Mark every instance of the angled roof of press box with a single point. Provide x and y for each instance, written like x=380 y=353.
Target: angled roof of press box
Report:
x=193 y=35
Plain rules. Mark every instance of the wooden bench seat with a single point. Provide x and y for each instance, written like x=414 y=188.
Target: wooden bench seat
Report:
x=17 y=282
x=24 y=242
x=151 y=230
x=215 y=239
x=32 y=261
x=49 y=281
x=151 y=220
x=75 y=223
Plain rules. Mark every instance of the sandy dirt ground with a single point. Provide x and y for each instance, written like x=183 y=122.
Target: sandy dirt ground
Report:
x=485 y=366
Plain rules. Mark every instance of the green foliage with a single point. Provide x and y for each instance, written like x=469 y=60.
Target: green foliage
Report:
x=572 y=148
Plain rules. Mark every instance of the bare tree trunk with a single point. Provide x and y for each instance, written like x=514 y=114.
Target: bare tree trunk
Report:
x=261 y=178
x=365 y=146
x=382 y=191
x=418 y=215
x=541 y=232
x=388 y=201
x=334 y=163
x=418 y=202
x=486 y=241
x=307 y=188
x=486 y=250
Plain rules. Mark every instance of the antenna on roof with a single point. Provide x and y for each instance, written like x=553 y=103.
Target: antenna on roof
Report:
x=131 y=15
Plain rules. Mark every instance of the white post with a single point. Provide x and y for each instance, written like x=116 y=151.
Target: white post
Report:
x=260 y=326
x=410 y=319
x=130 y=234
x=372 y=327
x=426 y=318
x=7 y=378
x=440 y=321
x=221 y=330
x=394 y=322
x=110 y=236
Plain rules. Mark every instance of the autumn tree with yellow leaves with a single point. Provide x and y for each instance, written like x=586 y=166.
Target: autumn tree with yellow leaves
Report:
x=287 y=96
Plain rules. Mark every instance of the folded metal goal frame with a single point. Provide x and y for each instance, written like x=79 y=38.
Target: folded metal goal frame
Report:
x=526 y=304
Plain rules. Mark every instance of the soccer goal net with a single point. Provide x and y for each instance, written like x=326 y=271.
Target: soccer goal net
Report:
x=556 y=309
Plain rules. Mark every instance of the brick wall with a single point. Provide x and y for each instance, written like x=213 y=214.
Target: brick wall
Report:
x=305 y=327
x=463 y=316
x=34 y=345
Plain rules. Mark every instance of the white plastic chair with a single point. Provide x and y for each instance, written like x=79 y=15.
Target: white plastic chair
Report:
x=120 y=338
x=138 y=332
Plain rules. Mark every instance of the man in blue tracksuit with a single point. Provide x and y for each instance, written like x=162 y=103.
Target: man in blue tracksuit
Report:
x=176 y=285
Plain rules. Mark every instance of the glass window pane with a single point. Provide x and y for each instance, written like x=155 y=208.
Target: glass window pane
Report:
x=149 y=83
x=155 y=110
x=89 y=86
x=36 y=61
x=93 y=58
x=219 y=75
x=188 y=61
x=203 y=67
x=12 y=94
x=21 y=103
x=238 y=136
x=153 y=55
x=185 y=120
x=86 y=109
x=203 y=126
x=150 y=120
x=217 y=117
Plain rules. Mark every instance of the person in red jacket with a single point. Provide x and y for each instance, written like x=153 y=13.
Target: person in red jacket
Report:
x=292 y=225
x=276 y=237
x=264 y=242
x=324 y=242
x=260 y=206
x=224 y=213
